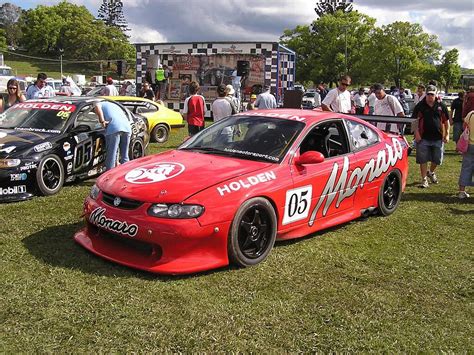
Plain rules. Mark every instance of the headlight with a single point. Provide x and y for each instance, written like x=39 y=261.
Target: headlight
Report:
x=175 y=211
x=94 y=192
x=9 y=163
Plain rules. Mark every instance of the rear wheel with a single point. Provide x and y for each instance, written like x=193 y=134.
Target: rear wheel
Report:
x=253 y=232
x=160 y=133
x=137 y=149
x=50 y=175
x=390 y=193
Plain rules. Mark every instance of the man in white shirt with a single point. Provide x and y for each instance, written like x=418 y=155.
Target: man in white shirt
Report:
x=265 y=100
x=109 y=89
x=386 y=105
x=221 y=108
x=40 y=89
x=419 y=95
x=339 y=99
x=359 y=101
x=371 y=99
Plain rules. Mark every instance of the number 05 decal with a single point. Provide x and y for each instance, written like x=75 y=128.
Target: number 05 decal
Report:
x=297 y=204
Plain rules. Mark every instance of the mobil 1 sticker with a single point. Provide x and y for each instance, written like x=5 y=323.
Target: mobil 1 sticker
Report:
x=297 y=204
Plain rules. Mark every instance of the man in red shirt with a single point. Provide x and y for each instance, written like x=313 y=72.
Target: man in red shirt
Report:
x=194 y=109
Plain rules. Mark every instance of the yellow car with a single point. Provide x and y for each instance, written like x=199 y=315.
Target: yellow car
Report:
x=160 y=118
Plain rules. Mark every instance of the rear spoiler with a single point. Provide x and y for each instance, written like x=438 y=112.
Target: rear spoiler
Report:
x=400 y=121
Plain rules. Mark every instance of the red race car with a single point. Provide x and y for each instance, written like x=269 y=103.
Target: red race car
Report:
x=229 y=192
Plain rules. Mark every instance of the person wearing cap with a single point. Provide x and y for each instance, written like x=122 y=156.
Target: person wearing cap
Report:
x=386 y=105
x=265 y=100
x=223 y=107
x=431 y=134
x=230 y=95
x=251 y=103
x=109 y=89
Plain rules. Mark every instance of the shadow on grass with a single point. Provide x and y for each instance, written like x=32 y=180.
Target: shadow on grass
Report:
x=55 y=246
x=436 y=198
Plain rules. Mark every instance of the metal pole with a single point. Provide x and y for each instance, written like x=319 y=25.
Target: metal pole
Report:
x=61 y=59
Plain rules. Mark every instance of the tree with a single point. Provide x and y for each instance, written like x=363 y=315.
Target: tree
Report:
x=336 y=44
x=111 y=13
x=324 y=7
x=10 y=21
x=3 y=41
x=402 y=53
x=72 y=28
x=449 y=71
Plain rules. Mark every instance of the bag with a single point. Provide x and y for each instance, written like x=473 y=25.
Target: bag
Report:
x=463 y=142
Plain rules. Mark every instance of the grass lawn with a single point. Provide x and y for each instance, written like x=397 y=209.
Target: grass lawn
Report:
x=402 y=283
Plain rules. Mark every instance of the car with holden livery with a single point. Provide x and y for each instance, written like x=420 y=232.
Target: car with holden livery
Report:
x=229 y=192
x=46 y=143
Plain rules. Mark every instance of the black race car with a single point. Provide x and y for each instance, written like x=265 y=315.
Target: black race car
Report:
x=46 y=143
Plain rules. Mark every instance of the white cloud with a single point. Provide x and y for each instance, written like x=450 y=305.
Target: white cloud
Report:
x=145 y=34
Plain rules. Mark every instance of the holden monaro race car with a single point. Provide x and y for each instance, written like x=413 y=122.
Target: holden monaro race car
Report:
x=161 y=120
x=45 y=143
x=227 y=193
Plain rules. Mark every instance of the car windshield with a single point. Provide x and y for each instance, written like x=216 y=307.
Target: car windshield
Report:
x=309 y=94
x=247 y=137
x=5 y=72
x=37 y=117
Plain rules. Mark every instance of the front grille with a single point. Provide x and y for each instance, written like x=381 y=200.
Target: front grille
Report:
x=143 y=248
x=125 y=203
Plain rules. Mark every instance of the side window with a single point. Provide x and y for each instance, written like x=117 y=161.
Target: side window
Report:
x=88 y=117
x=148 y=108
x=327 y=138
x=361 y=136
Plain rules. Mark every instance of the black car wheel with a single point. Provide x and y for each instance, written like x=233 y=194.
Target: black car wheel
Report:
x=137 y=149
x=253 y=232
x=50 y=175
x=160 y=133
x=390 y=193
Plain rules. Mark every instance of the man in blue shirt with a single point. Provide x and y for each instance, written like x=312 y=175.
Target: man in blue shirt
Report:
x=265 y=100
x=40 y=89
x=117 y=131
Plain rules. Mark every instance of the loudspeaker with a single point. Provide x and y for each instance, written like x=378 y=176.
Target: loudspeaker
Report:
x=292 y=99
x=243 y=67
x=121 y=64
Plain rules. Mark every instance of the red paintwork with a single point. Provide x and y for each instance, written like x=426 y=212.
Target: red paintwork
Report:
x=180 y=246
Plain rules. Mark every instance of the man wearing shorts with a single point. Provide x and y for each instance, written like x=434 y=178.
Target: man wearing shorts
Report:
x=432 y=132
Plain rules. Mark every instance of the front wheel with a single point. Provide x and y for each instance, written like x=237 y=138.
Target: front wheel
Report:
x=50 y=175
x=160 y=133
x=253 y=232
x=137 y=149
x=390 y=193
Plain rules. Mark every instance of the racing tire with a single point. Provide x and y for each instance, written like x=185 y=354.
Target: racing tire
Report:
x=137 y=149
x=50 y=175
x=253 y=232
x=160 y=133
x=390 y=193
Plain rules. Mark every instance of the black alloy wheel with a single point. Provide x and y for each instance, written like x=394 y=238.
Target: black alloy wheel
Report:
x=253 y=232
x=390 y=193
x=50 y=175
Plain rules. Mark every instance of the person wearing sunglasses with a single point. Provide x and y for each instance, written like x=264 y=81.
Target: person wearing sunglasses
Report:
x=14 y=95
x=40 y=89
x=339 y=99
x=431 y=134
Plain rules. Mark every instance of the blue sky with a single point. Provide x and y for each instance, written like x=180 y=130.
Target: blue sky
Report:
x=209 y=20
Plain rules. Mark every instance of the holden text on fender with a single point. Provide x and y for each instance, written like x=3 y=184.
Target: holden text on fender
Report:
x=98 y=218
x=346 y=186
x=246 y=183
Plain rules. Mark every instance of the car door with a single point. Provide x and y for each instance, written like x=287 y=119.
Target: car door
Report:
x=88 y=143
x=320 y=190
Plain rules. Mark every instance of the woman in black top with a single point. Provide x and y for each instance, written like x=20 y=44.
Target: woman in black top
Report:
x=14 y=95
x=147 y=92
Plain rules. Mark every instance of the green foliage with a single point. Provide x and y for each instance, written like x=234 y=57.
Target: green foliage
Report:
x=10 y=20
x=111 y=13
x=402 y=53
x=449 y=71
x=66 y=26
x=399 y=53
x=3 y=41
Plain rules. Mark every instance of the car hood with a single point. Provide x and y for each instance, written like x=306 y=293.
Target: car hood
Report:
x=14 y=141
x=173 y=176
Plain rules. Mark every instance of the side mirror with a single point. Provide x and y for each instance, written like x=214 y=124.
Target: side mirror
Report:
x=310 y=157
x=82 y=128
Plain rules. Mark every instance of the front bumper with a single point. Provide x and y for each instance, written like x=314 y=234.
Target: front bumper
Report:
x=163 y=246
x=16 y=184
